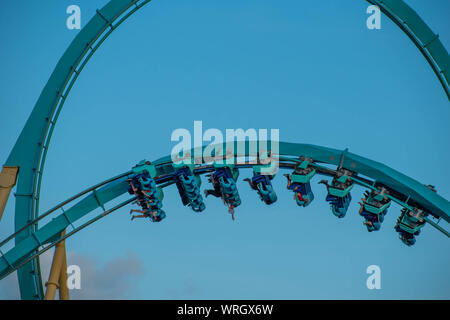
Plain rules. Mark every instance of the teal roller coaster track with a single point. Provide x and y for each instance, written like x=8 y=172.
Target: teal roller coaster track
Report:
x=30 y=150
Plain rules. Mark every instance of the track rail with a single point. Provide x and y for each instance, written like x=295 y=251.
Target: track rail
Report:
x=367 y=174
x=421 y=35
x=30 y=150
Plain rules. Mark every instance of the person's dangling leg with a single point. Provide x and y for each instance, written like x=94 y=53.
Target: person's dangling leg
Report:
x=139 y=216
x=250 y=183
x=288 y=180
x=138 y=211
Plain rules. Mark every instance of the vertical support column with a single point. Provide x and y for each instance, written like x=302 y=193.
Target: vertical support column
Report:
x=63 y=289
x=55 y=272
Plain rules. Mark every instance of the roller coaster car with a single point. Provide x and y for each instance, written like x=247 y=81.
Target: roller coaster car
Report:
x=299 y=182
x=339 y=205
x=303 y=172
x=150 y=210
x=263 y=185
x=409 y=225
x=148 y=196
x=188 y=185
x=227 y=177
x=406 y=237
x=224 y=179
x=372 y=222
x=158 y=217
x=374 y=206
x=339 y=195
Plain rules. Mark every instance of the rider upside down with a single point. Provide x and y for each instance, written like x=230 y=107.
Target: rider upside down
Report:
x=219 y=193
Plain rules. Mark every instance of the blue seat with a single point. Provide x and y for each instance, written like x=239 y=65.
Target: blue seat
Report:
x=189 y=189
x=304 y=189
x=228 y=185
x=406 y=237
x=339 y=205
x=148 y=195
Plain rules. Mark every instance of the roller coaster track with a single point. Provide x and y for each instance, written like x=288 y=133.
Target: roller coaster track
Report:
x=369 y=174
x=25 y=164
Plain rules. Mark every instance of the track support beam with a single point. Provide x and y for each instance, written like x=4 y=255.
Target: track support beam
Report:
x=58 y=273
x=8 y=179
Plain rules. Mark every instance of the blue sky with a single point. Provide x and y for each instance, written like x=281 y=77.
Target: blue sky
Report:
x=312 y=70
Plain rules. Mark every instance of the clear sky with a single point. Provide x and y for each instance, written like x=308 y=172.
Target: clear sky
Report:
x=310 y=69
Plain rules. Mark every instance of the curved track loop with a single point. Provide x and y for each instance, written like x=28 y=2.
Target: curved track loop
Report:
x=30 y=150
x=423 y=37
x=367 y=173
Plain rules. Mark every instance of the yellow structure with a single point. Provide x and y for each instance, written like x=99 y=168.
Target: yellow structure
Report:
x=58 y=274
x=8 y=179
